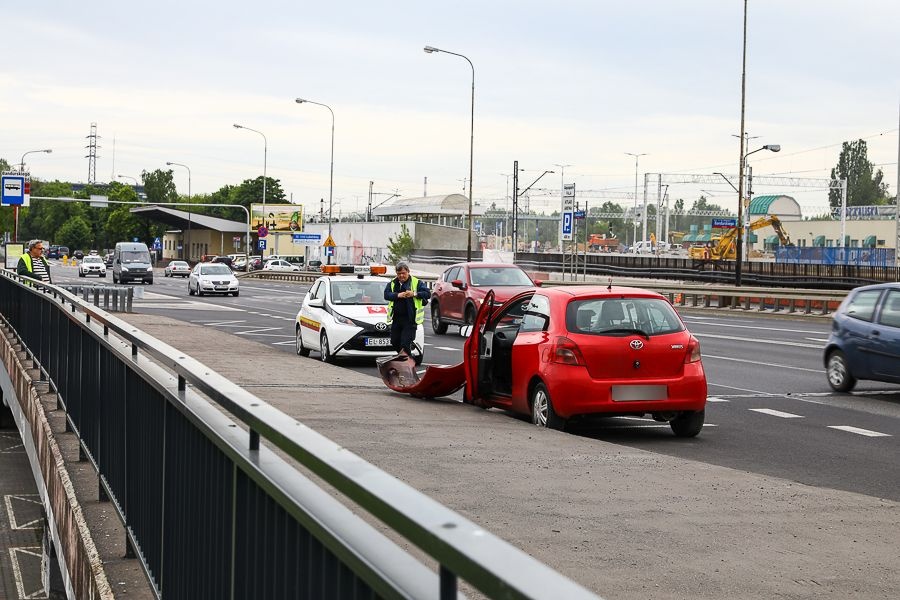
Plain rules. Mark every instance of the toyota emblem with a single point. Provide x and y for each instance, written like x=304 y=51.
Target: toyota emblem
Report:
x=636 y=344
x=381 y=326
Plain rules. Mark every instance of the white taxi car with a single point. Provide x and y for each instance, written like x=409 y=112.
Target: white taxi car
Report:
x=92 y=265
x=346 y=315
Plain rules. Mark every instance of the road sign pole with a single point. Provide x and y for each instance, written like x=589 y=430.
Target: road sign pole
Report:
x=15 y=223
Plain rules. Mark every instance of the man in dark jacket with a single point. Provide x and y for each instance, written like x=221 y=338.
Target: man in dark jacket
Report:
x=406 y=296
x=33 y=264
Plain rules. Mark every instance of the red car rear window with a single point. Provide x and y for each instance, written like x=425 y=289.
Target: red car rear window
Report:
x=616 y=316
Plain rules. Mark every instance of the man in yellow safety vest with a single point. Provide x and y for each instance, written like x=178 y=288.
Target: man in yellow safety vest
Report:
x=406 y=296
x=33 y=264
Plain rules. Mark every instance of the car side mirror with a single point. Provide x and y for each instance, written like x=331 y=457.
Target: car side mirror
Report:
x=465 y=331
x=538 y=283
x=317 y=302
x=458 y=283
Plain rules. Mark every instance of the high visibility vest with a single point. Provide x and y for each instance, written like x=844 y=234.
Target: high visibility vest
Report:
x=26 y=258
x=420 y=305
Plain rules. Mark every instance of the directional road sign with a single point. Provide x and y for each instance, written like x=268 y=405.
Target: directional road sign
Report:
x=329 y=250
x=724 y=223
x=568 y=211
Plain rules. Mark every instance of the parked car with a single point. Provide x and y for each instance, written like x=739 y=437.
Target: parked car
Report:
x=569 y=352
x=177 y=268
x=280 y=265
x=53 y=252
x=314 y=265
x=346 y=315
x=256 y=263
x=226 y=260
x=63 y=251
x=865 y=338
x=461 y=289
x=92 y=265
x=212 y=278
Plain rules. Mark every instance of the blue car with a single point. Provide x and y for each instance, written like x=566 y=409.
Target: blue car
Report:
x=865 y=338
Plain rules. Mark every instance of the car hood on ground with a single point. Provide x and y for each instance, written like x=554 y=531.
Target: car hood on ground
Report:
x=399 y=373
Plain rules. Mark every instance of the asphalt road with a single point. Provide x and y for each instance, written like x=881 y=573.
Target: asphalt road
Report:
x=770 y=408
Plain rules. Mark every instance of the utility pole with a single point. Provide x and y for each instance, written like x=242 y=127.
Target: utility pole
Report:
x=740 y=215
x=92 y=154
x=515 y=210
x=369 y=208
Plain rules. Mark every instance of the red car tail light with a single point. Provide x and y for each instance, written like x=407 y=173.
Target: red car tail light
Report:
x=566 y=352
x=693 y=353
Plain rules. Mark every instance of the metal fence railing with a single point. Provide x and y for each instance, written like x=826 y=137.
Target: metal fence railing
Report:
x=213 y=513
x=116 y=298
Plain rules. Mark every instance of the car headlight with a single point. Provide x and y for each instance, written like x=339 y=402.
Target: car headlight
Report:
x=341 y=319
x=125 y=269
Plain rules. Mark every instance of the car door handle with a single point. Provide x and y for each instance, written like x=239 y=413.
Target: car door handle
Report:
x=876 y=333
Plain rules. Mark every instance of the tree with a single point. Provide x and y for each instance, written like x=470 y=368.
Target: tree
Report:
x=75 y=233
x=864 y=184
x=159 y=186
x=250 y=192
x=402 y=247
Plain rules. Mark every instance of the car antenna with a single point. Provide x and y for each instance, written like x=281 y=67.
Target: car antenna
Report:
x=609 y=287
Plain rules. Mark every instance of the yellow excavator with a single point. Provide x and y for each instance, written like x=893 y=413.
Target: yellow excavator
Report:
x=723 y=247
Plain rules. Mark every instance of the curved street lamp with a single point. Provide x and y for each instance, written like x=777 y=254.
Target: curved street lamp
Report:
x=22 y=163
x=432 y=50
x=265 y=160
x=188 y=242
x=331 y=176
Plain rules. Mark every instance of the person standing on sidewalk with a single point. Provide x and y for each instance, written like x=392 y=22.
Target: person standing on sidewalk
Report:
x=33 y=264
x=406 y=296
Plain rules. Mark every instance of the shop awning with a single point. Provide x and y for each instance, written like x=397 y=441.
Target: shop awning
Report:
x=819 y=241
x=688 y=238
x=869 y=242
x=772 y=239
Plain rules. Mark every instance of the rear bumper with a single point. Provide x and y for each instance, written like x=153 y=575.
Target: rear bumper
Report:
x=574 y=392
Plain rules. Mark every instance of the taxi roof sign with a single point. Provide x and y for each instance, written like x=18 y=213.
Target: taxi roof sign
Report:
x=329 y=242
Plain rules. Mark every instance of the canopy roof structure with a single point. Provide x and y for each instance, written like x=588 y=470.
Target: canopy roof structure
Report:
x=448 y=205
x=181 y=219
x=784 y=207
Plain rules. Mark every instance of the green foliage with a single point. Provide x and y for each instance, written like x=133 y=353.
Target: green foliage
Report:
x=864 y=184
x=75 y=233
x=402 y=247
x=4 y=166
x=159 y=186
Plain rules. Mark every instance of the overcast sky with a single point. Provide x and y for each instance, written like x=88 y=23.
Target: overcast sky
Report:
x=572 y=82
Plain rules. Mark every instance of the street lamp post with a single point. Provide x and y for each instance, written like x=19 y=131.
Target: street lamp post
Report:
x=188 y=241
x=430 y=50
x=134 y=179
x=331 y=176
x=16 y=206
x=634 y=214
x=265 y=160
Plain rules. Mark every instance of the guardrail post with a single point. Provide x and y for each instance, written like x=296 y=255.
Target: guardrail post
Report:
x=448 y=584
x=792 y=305
x=97 y=297
x=762 y=303
x=129 y=298
x=707 y=299
x=747 y=302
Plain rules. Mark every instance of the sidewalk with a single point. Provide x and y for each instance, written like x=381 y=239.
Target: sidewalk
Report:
x=624 y=522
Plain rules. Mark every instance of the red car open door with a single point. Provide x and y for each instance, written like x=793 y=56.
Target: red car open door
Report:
x=472 y=351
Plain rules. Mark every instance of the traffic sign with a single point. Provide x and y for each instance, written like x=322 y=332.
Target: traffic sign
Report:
x=579 y=214
x=262 y=244
x=157 y=244
x=329 y=250
x=329 y=242
x=567 y=225
x=263 y=231
x=306 y=239
x=724 y=223
x=13 y=191
x=569 y=190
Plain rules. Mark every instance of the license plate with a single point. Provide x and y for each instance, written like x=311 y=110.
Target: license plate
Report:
x=639 y=393
x=221 y=287
x=378 y=341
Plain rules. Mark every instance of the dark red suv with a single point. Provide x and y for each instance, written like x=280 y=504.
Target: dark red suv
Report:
x=460 y=290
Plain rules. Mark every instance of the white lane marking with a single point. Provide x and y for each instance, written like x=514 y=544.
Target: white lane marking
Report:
x=648 y=426
x=756 y=362
x=825 y=340
x=289 y=342
x=731 y=338
x=858 y=431
x=765 y=328
x=29 y=499
x=714 y=399
x=34 y=552
x=226 y=323
x=776 y=413
x=731 y=387
x=186 y=306
x=447 y=348
x=256 y=331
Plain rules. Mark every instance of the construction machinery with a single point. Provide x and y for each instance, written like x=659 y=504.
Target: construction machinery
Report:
x=600 y=243
x=723 y=247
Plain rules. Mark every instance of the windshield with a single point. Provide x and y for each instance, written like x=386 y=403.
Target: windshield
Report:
x=499 y=276
x=135 y=256
x=93 y=259
x=215 y=270
x=622 y=316
x=357 y=291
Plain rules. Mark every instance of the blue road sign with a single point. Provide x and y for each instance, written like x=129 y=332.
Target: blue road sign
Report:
x=307 y=237
x=329 y=250
x=724 y=223
x=579 y=214
x=567 y=223
x=262 y=244
x=13 y=190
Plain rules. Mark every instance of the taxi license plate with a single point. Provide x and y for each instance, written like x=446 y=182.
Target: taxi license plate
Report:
x=378 y=341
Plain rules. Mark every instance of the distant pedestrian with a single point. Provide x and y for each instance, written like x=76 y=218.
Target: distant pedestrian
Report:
x=406 y=296
x=33 y=264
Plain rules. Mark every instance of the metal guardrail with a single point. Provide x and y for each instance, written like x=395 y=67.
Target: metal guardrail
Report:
x=211 y=512
x=301 y=276
x=116 y=298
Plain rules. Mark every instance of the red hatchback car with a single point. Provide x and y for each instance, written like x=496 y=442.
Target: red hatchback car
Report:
x=564 y=352
x=461 y=289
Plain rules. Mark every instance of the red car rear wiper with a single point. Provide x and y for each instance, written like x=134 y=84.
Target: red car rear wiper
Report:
x=634 y=330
